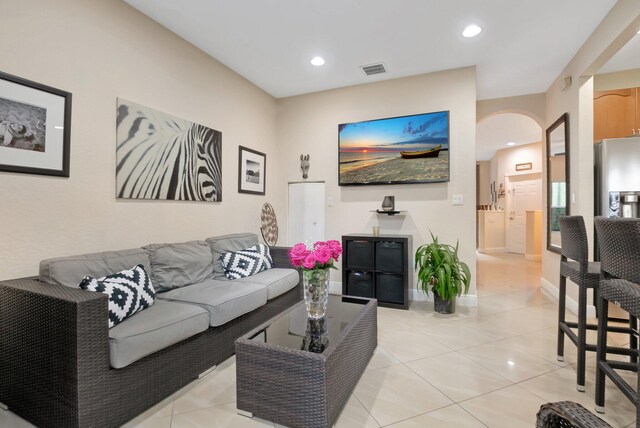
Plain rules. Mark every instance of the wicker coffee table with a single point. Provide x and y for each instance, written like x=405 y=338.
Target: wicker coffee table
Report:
x=299 y=372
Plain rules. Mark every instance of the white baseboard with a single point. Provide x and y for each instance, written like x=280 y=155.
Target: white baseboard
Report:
x=335 y=288
x=533 y=257
x=492 y=250
x=571 y=304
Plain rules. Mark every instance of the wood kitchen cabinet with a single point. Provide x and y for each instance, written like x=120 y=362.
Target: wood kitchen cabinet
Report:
x=616 y=113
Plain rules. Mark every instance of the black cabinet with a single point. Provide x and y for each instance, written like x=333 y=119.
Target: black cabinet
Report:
x=377 y=266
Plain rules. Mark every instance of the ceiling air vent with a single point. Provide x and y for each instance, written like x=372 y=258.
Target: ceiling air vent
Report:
x=373 y=69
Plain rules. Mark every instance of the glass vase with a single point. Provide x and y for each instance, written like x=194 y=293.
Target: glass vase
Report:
x=316 y=292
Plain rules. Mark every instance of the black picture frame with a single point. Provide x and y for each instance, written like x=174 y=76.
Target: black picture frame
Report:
x=36 y=119
x=252 y=171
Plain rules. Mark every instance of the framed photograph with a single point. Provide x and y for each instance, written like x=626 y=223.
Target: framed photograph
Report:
x=161 y=156
x=524 y=166
x=252 y=169
x=35 y=127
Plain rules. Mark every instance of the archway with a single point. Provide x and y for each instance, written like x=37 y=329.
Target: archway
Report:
x=509 y=167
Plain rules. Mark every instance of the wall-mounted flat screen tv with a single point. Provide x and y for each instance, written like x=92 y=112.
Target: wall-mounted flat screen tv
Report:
x=395 y=150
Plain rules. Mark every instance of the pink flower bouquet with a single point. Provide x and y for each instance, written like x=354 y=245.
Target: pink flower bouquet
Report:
x=321 y=255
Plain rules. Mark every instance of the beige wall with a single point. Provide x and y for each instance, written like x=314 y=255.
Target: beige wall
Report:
x=504 y=164
x=309 y=124
x=617 y=80
x=484 y=182
x=532 y=105
x=506 y=160
x=614 y=31
x=100 y=50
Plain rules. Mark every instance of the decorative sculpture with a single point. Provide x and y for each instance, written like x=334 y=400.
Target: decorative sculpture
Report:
x=269 y=227
x=304 y=166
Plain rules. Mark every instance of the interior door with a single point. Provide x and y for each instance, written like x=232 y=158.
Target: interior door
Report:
x=524 y=193
x=306 y=212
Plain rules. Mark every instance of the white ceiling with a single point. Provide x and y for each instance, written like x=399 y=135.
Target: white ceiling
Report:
x=523 y=48
x=494 y=132
x=627 y=58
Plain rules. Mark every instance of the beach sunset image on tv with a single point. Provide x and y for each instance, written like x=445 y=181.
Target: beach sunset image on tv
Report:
x=397 y=150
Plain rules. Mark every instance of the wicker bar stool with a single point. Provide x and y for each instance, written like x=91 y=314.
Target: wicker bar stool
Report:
x=576 y=266
x=620 y=284
x=565 y=414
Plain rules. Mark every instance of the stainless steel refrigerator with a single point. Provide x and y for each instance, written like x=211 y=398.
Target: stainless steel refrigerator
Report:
x=617 y=177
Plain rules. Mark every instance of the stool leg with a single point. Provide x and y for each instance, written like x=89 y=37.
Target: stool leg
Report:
x=562 y=296
x=633 y=339
x=582 y=336
x=637 y=403
x=601 y=352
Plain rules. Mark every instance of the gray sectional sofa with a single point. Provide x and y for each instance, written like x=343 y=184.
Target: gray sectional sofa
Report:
x=60 y=364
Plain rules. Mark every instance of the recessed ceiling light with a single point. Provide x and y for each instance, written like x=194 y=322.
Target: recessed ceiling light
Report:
x=317 y=61
x=471 y=30
x=511 y=143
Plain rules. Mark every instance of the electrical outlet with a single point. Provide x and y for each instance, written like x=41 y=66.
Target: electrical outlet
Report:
x=573 y=198
x=457 y=199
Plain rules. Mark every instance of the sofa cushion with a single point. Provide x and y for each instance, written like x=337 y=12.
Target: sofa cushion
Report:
x=226 y=243
x=160 y=326
x=129 y=291
x=69 y=271
x=277 y=280
x=177 y=265
x=224 y=300
x=247 y=262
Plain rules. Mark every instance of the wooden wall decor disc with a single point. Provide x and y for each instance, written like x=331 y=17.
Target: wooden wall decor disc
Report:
x=269 y=227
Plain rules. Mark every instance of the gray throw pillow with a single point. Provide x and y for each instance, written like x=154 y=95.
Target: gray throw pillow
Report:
x=179 y=265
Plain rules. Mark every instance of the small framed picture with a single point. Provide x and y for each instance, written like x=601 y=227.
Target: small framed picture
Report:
x=35 y=127
x=524 y=166
x=252 y=169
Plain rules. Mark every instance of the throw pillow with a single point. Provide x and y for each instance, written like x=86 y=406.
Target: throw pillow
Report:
x=129 y=291
x=247 y=262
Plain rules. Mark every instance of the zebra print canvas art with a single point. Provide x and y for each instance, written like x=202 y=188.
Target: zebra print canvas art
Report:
x=159 y=156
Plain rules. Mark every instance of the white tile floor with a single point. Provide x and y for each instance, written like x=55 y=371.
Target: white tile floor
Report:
x=489 y=366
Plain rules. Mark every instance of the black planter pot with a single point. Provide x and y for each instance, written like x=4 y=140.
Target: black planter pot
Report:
x=444 y=306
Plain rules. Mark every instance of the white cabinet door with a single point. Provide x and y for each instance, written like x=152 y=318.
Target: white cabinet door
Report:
x=306 y=212
x=524 y=194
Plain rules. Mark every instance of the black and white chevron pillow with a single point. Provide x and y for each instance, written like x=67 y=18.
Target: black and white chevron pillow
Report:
x=129 y=291
x=247 y=262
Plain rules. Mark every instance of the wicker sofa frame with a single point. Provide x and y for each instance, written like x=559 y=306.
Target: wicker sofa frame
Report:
x=54 y=355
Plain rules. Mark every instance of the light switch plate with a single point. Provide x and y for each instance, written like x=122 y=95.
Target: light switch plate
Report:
x=330 y=201
x=457 y=199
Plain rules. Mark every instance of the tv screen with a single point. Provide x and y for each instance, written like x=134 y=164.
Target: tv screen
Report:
x=396 y=150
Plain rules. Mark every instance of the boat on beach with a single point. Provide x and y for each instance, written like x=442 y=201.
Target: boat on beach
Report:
x=431 y=153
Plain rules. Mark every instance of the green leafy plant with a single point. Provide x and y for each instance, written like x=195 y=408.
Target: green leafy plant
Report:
x=440 y=270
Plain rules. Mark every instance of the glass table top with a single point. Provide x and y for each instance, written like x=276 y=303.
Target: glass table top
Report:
x=295 y=331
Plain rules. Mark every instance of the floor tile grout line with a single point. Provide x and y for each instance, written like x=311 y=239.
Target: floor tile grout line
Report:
x=427 y=413
x=364 y=407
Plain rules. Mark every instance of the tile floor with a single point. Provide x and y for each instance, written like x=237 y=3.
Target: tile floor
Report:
x=490 y=366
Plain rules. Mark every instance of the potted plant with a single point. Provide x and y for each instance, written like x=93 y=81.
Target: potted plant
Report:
x=440 y=270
